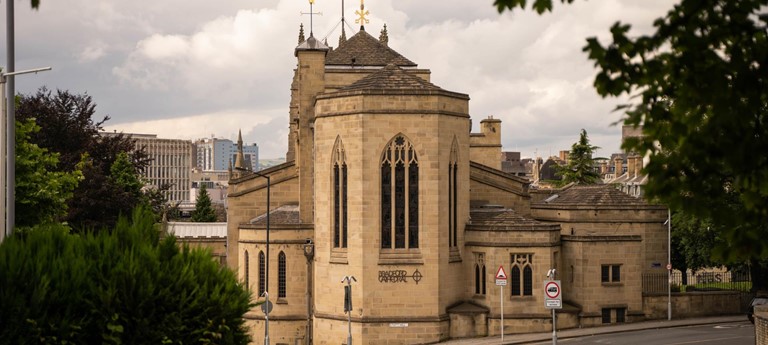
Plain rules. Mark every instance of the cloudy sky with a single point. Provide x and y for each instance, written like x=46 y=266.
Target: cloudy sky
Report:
x=192 y=68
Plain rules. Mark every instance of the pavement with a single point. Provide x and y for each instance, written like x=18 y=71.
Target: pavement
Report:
x=529 y=338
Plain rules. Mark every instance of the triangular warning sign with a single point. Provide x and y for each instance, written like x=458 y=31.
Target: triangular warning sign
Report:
x=500 y=274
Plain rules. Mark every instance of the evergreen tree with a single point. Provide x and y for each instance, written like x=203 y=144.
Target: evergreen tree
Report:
x=581 y=166
x=203 y=212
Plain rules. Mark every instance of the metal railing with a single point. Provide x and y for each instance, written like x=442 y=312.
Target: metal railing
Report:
x=703 y=280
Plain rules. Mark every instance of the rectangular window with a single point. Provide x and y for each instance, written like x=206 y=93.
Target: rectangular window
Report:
x=620 y=315
x=606 y=313
x=615 y=273
x=610 y=273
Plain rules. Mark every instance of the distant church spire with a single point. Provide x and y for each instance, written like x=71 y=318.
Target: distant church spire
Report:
x=239 y=158
x=301 y=33
x=362 y=13
x=384 y=37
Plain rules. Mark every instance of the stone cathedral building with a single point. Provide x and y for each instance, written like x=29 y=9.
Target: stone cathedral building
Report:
x=384 y=182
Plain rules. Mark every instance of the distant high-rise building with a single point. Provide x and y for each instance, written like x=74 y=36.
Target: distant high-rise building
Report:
x=171 y=163
x=214 y=154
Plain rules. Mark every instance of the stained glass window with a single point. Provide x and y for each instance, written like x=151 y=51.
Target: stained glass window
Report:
x=521 y=277
x=245 y=268
x=281 y=275
x=339 y=196
x=262 y=273
x=399 y=195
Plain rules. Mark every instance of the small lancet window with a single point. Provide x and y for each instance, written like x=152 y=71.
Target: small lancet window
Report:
x=453 y=195
x=340 y=224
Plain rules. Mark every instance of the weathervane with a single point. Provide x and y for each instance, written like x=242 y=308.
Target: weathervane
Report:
x=362 y=13
x=310 y=13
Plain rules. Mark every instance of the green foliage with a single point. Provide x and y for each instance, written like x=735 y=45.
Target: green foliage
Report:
x=68 y=128
x=123 y=174
x=693 y=240
x=203 y=212
x=698 y=86
x=540 y=6
x=42 y=192
x=125 y=286
x=581 y=166
x=701 y=79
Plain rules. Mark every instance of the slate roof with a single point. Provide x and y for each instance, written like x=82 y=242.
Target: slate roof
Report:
x=591 y=195
x=287 y=214
x=391 y=77
x=365 y=50
x=499 y=218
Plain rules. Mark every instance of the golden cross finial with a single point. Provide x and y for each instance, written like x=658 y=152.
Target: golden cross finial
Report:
x=362 y=13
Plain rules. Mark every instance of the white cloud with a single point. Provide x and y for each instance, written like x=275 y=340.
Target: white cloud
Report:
x=188 y=68
x=92 y=52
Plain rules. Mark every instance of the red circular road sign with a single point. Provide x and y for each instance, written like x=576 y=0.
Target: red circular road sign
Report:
x=552 y=289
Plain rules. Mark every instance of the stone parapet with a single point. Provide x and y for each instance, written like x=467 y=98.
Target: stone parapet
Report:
x=761 y=325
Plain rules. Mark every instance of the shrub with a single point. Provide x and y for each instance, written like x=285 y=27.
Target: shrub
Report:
x=124 y=286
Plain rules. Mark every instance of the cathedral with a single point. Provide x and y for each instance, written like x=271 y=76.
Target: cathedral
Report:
x=390 y=220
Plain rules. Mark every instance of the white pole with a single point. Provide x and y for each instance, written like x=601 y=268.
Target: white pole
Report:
x=266 y=319
x=669 y=262
x=554 y=328
x=501 y=327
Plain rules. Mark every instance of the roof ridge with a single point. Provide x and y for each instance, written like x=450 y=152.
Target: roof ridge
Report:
x=362 y=49
x=391 y=77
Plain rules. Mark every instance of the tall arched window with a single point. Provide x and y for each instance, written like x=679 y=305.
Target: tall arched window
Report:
x=399 y=195
x=477 y=279
x=339 y=196
x=522 y=275
x=452 y=195
x=281 y=275
x=514 y=276
x=480 y=273
x=245 y=268
x=262 y=273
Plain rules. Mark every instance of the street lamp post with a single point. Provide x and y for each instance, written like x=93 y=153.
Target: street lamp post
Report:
x=8 y=171
x=266 y=273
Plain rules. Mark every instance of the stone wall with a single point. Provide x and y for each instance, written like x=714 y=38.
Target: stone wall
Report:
x=693 y=304
x=489 y=186
x=532 y=324
x=761 y=325
x=485 y=147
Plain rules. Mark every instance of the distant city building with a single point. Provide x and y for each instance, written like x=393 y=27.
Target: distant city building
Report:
x=214 y=154
x=511 y=164
x=170 y=164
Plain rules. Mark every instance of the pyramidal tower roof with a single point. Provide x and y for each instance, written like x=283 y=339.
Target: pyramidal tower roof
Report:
x=389 y=78
x=362 y=49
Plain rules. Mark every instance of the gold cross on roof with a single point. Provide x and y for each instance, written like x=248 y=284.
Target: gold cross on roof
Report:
x=362 y=13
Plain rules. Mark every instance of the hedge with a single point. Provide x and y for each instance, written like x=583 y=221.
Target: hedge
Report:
x=124 y=286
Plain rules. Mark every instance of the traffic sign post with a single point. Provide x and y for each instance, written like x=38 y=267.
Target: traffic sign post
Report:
x=501 y=281
x=553 y=299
